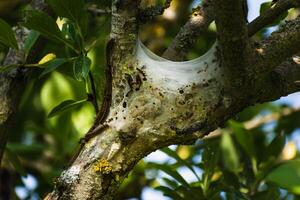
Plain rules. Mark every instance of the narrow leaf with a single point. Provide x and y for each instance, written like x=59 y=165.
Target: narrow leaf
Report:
x=52 y=65
x=15 y=161
x=276 y=146
x=174 y=155
x=169 y=192
x=66 y=105
x=7 y=36
x=30 y=41
x=174 y=174
x=6 y=68
x=230 y=156
x=243 y=137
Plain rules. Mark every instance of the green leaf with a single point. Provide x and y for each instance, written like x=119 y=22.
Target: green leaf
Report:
x=52 y=65
x=22 y=149
x=287 y=176
x=15 y=161
x=230 y=155
x=70 y=31
x=174 y=155
x=210 y=156
x=272 y=192
x=81 y=67
x=173 y=184
x=243 y=137
x=276 y=146
x=30 y=41
x=168 y=170
x=65 y=105
x=71 y=9
x=6 y=68
x=7 y=36
x=169 y=192
x=45 y=25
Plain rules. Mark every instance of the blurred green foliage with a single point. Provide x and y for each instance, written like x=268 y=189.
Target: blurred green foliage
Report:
x=237 y=163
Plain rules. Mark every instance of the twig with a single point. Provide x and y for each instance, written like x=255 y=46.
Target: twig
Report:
x=279 y=47
x=256 y=122
x=98 y=12
x=149 y=13
x=199 y=21
x=94 y=93
x=271 y=14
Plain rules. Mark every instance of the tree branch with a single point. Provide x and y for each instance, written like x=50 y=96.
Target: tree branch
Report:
x=149 y=13
x=255 y=122
x=201 y=18
x=283 y=80
x=193 y=28
x=98 y=12
x=271 y=14
x=12 y=84
x=232 y=33
x=280 y=46
x=233 y=42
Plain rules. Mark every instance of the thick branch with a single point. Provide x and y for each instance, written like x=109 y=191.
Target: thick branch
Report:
x=280 y=82
x=12 y=84
x=232 y=33
x=201 y=17
x=280 y=46
x=271 y=14
x=233 y=42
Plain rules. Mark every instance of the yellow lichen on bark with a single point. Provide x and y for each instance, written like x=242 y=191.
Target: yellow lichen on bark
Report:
x=103 y=166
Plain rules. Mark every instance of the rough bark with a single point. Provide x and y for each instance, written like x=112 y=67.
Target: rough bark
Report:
x=13 y=83
x=199 y=21
x=270 y=15
x=155 y=107
x=152 y=108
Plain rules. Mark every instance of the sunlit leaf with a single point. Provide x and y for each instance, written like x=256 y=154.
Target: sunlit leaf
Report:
x=7 y=36
x=66 y=105
x=47 y=58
